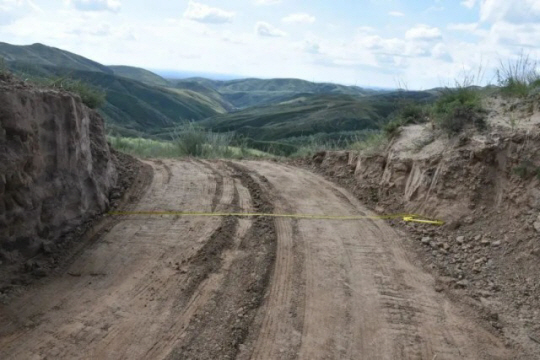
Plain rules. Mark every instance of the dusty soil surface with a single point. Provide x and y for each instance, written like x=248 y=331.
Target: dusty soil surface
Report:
x=181 y=287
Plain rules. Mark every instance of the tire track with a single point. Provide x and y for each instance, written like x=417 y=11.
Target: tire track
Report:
x=229 y=314
x=285 y=295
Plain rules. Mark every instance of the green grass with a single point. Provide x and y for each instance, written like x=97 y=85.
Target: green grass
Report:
x=367 y=142
x=519 y=77
x=458 y=108
x=189 y=141
x=91 y=96
x=371 y=144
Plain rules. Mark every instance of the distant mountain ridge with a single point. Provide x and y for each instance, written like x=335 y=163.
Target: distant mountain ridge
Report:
x=244 y=93
x=39 y=54
x=138 y=101
x=139 y=74
x=142 y=103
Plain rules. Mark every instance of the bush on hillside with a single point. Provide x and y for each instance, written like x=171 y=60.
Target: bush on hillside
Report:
x=458 y=108
x=193 y=140
x=408 y=113
x=90 y=96
x=517 y=78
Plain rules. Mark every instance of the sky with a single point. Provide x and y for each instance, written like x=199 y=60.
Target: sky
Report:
x=416 y=44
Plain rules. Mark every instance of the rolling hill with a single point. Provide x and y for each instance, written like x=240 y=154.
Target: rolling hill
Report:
x=133 y=107
x=139 y=74
x=244 y=93
x=311 y=114
x=141 y=103
x=41 y=55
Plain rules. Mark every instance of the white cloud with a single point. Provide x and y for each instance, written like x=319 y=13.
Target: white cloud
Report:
x=515 y=36
x=206 y=14
x=363 y=30
x=440 y=52
x=267 y=2
x=470 y=27
x=396 y=14
x=468 y=3
x=521 y=11
x=11 y=10
x=96 y=5
x=299 y=18
x=423 y=32
x=265 y=29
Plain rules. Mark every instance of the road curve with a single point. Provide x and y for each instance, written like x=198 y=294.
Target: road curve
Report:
x=181 y=287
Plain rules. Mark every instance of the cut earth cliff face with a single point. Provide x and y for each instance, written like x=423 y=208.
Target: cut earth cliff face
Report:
x=486 y=187
x=56 y=169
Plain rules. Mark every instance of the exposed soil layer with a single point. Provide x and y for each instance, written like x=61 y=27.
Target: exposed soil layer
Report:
x=133 y=178
x=487 y=188
x=56 y=170
x=156 y=287
x=57 y=175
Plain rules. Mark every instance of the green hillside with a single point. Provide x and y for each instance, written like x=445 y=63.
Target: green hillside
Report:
x=139 y=74
x=208 y=92
x=132 y=107
x=246 y=93
x=284 y=111
x=39 y=54
x=313 y=114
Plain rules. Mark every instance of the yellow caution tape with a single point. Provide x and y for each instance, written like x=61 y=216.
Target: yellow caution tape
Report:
x=415 y=218
x=406 y=217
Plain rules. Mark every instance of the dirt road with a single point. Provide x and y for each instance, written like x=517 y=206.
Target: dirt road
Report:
x=179 y=287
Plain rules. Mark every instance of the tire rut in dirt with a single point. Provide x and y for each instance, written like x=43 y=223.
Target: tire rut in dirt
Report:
x=277 y=328
x=223 y=324
x=219 y=184
x=209 y=258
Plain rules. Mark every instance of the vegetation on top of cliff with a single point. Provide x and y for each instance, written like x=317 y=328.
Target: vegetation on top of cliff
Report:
x=91 y=96
x=458 y=108
x=408 y=112
x=518 y=78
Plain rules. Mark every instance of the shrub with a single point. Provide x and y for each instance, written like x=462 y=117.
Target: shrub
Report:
x=517 y=78
x=391 y=128
x=407 y=113
x=190 y=140
x=90 y=96
x=458 y=108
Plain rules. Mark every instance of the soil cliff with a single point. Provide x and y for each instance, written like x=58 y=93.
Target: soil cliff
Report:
x=56 y=169
x=486 y=187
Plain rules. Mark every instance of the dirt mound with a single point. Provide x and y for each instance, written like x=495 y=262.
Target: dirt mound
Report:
x=56 y=170
x=487 y=188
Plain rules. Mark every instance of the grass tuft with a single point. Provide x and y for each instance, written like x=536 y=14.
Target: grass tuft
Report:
x=519 y=77
x=373 y=143
x=189 y=140
x=90 y=95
